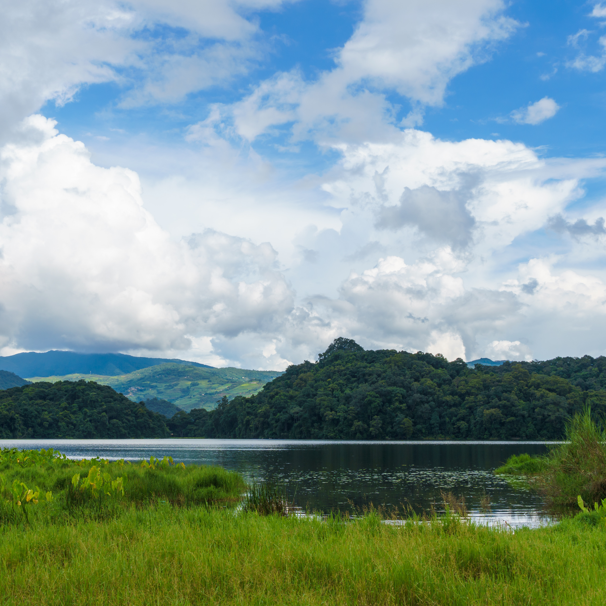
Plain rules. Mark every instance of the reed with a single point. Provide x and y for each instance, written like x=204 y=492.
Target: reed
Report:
x=572 y=469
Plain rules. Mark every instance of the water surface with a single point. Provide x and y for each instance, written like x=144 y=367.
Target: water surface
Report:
x=336 y=475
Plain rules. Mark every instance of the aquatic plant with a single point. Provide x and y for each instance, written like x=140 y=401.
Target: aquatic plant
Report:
x=266 y=499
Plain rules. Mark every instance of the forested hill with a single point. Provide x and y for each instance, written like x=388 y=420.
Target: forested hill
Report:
x=587 y=373
x=75 y=410
x=10 y=379
x=355 y=394
x=348 y=394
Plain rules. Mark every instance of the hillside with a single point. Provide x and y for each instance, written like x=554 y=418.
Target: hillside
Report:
x=74 y=410
x=187 y=387
x=163 y=407
x=355 y=394
x=61 y=363
x=9 y=379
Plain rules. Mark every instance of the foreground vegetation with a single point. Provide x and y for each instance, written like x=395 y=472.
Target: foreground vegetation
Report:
x=573 y=472
x=38 y=488
x=166 y=555
x=152 y=532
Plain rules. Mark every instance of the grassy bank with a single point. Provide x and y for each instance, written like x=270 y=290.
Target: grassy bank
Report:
x=100 y=532
x=166 y=555
x=44 y=487
x=572 y=469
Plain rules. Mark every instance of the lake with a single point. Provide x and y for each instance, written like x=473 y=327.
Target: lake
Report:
x=335 y=475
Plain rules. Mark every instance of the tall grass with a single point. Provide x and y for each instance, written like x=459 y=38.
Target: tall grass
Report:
x=573 y=468
x=175 y=556
x=47 y=486
x=577 y=467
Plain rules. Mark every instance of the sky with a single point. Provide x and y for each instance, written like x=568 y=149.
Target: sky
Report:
x=240 y=182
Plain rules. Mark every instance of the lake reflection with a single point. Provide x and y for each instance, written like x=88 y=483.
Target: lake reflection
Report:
x=324 y=476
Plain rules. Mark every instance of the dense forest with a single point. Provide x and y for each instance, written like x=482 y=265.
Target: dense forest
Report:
x=75 y=410
x=355 y=394
x=348 y=394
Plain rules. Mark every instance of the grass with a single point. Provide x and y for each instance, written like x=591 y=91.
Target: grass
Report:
x=572 y=469
x=46 y=487
x=158 y=533
x=176 y=556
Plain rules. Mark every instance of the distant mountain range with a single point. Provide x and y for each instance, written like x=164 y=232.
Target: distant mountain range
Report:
x=185 y=386
x=485 y=362
x=61 y=363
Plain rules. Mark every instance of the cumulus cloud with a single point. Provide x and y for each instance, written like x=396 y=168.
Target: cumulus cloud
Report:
x=579 y=228
x=442 y=216
x=85 y=266
x=51 y=48
x=415 y=48
x=508 y=350
x=536 y=112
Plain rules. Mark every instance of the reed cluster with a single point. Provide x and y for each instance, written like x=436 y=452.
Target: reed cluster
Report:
x=573 y=468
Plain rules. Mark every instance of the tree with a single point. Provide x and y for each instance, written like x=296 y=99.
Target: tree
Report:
x=339 y=344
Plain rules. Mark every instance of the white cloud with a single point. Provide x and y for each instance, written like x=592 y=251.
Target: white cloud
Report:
x=85 y=266
x=536 y=112
x=51 y=48
x=599 y=11
x=508 y=350
x=415 y=48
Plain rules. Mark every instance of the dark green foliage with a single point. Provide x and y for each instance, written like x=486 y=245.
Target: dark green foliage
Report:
x=365 y=395
x=60 y=363
x=9 y=379
x=162 y=407
x=74 y=410
x=523 y=465
x=339 y=344
x=573 y=471
x=587 y=373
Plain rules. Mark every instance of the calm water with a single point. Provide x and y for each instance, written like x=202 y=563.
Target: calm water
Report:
x=325 y=476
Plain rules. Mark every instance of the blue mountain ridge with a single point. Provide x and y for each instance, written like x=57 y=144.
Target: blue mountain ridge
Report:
x=485 y=362
x=60 y=363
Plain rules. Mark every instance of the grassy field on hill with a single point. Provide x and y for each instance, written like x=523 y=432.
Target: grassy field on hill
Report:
x=188 y=387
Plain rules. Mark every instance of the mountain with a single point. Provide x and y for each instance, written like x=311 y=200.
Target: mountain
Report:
x=60 y=363
x=485 y=362
x=65 y=410
x=185 y=386
x=162 y=407
x=9 y=379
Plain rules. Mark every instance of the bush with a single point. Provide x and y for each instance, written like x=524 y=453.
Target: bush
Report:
x=576 y=467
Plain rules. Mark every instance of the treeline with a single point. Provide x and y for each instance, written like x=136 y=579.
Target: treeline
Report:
x=75 y=410
x=349 y=394
x=376 y=395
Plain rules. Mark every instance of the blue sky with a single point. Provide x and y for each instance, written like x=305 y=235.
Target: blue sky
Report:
x=241 y=181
